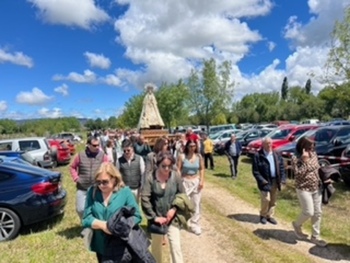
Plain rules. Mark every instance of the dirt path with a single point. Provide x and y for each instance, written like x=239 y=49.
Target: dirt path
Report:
x=226 y=218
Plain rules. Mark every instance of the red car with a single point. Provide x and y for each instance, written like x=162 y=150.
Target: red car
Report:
x=60 y=151
x=281 y=136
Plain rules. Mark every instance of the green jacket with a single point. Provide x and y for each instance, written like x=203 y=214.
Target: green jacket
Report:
x=184 y=209
x=95 y=209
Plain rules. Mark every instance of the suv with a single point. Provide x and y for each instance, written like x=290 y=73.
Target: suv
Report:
x=37 y=147
x=281 y=136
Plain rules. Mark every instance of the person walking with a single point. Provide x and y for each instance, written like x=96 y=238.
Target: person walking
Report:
x=208 y=147
x=132 y=168
x=268 y=170
x=83 y=170
x=191 y=166
x=233 y=150
x=141 y=147
x=108 y=197
x=308 y=186
x=158 y=195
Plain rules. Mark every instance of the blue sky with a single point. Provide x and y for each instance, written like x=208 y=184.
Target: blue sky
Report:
x=86 y=58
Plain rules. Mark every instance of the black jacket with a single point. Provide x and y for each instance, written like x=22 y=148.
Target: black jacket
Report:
x=328 y=190
x=128 y=242
x=262 y=174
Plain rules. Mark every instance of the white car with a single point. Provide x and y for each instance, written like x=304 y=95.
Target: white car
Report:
x=224 y=135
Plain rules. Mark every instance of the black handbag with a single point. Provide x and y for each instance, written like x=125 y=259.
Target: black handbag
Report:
x=155 y=228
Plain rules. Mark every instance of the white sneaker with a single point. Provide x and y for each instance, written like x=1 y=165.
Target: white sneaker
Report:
x=197 y=230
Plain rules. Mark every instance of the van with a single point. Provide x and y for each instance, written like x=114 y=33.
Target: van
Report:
x=37 y=147
x=224 y=127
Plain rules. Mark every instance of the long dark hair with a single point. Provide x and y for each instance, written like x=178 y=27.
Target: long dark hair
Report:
x=187 y=147
x=304 y=143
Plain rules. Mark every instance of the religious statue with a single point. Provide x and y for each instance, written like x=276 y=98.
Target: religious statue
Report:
x=150 y=117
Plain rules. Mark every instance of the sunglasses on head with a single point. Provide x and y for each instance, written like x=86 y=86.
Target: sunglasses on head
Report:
x=102 y=182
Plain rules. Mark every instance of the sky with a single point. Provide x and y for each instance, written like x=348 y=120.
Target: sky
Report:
x=86 y=58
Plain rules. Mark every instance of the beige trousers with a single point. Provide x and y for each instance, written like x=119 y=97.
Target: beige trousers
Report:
x=268 y=201
x=174 y=242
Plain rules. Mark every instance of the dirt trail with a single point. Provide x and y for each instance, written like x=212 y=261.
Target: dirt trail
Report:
x=214 y=246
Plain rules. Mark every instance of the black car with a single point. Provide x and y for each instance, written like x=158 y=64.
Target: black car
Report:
x=344 y=168
x=28 y=194
x=330 y=141
x=244 y=137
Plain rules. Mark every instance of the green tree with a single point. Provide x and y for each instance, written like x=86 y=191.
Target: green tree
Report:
x=284 y=89
x=308 y=86
x=338 y=61
x=212 y=93
x=172 y=102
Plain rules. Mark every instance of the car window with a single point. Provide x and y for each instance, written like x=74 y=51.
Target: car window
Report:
x=264 y=132
x=5 y=176
x=29 y=145
x=279 y=134
x=253 y=134
x=5 y=146
x=297 y=133
x=343 y=136
x=324 y=135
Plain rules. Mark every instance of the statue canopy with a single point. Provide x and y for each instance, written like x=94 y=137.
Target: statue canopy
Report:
x=150 y=117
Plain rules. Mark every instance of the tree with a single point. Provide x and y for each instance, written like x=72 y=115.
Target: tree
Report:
x=284 y=89
x=308 y=86
x=212 y=94
x=172 y=103
x=338 y=61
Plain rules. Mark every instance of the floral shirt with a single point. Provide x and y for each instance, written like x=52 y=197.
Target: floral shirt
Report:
x=306 y=173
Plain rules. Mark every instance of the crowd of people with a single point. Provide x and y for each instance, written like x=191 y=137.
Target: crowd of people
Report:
x=118 y=174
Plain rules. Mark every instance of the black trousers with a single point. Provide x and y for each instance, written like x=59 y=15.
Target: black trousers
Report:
x=208 y=156
x=233 y=164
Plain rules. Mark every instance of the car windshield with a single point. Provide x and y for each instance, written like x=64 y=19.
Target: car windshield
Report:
x=323 y=136
x=265 y=132
x=309 y=134
x=241 y=134
x=215 y=135
x=279 y=134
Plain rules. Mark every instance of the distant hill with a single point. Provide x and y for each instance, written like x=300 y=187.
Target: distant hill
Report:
x=19 y=122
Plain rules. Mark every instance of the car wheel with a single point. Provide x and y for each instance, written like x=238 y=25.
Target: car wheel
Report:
x=9 y=224
x=323 y=162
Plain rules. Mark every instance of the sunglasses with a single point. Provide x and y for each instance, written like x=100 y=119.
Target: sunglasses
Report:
x=95 y=145
x=102 y=182
x=166 y=166
x=127 y=151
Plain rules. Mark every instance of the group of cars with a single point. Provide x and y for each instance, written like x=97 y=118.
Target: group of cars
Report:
x=332 y=142
x=29 y=193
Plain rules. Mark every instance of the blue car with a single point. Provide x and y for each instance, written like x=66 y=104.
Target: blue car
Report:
x=28 y=194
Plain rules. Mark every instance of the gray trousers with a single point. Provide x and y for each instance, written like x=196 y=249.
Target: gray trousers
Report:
x=80 y=202
x=311 y=207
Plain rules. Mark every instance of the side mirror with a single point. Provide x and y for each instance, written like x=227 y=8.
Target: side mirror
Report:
x=291 y=138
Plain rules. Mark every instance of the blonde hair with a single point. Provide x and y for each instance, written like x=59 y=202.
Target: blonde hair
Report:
x=113 y=172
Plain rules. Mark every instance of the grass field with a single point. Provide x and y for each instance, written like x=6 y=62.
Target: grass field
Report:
x=59 y=240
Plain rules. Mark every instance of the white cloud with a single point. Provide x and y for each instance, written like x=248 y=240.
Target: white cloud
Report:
x=88 y=77
x=271 y=45
x=3 y=106
x=111 y=80
x=78 y=13
x=17 y=58
x=319 y=27
x=63 y=89
x=47 y=113
x=96 y=60
x=35 y=97
x=171 y=41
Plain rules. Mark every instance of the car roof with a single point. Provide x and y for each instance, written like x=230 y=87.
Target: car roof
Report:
x=23 y=139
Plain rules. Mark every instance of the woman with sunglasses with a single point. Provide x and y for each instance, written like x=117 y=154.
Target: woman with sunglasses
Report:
x=191 y=166
x=103 y=200
x=160 y=190
x=308 y=186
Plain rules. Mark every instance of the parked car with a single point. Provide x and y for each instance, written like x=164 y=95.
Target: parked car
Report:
x=28 y=194
x=37 y=147
x=68 y=136
x=280 y=136
x=345 y=169
x=21 y=155
x=244 y=137
x=329 y=141
x=224 y=136
x=225 y=127
x=60 y=151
